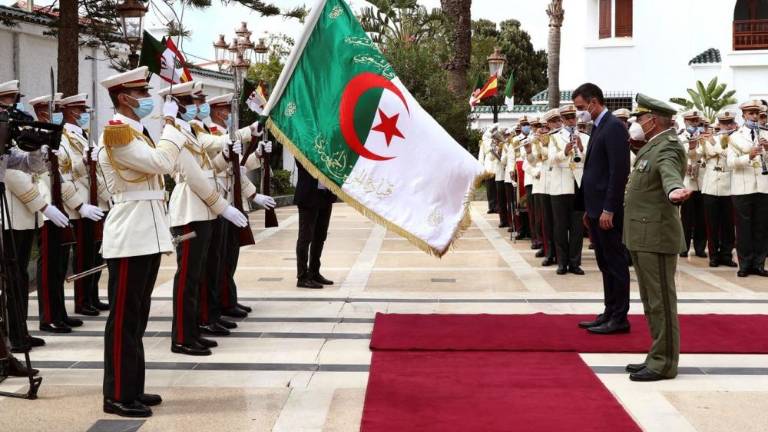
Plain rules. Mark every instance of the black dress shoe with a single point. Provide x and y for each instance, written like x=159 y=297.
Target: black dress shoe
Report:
x=194 y=349
x=701 y=254
x=520 y=236
x=561 y=270
x=548 y=262
x=635 y=367
x=131 y=409
x=57 y=327
x=600 y=319
x=100 y=305
x=646 y=375
x=150 y=399
x=714 y=263
x=591 y=246
x=540 y=253
x=18 y=369
x=307 y=283
x=208 y=343
x=214 y=329
x=742 y=273
x=226 y=324
x=35 y=341
x=611 y=327
x=73 y=322
x=234 y=313
x=244 y=307
x=576 y=270
x=322 y=280
x=87 y=310
x=760 y=272
x=683 y=254
x=535 y=245
x=728 y=262
x=503 y=225
x=510 y=229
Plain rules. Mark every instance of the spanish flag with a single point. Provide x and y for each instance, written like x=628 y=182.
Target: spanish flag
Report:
x=491 y=88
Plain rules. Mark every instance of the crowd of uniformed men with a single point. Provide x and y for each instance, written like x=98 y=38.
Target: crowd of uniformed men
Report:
x=538 y=165
x=140 y=223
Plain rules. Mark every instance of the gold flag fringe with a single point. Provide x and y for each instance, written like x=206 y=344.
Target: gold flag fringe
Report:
x=464 y=222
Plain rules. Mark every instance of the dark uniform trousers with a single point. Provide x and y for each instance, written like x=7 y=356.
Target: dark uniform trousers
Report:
x=190 y=265
x=214 y=277
x=131 y=281
x=51 y=271
x=86 y=291
x=694 y=224
x=313 y=230
x=568 y=228
x=533 y=222
x=490 y=193
x=720 y=230
x=751 y=230
x=509 y=193
x=611 y=258
x=544 y=215
x=502 y=203
x=17 y=246
x=656 y=279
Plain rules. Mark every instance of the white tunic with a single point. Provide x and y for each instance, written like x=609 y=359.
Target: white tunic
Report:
x=746 y=177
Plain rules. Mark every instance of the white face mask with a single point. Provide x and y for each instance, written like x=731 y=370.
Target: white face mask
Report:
x=636 y=132
x=584 y=116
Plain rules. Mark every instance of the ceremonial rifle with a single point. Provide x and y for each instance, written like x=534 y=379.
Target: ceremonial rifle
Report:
x=67 y=233
x=93 y=185
x=270 y=218
x=245 y=234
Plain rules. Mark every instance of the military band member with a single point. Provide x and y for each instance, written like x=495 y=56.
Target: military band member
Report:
x=532 y=170
x=487 y=163
x=75 y=143
x=494 y=146
x=54 y=254
x=763 y=120
x=716 y=193
x=540 y=156
x=623 y=115
x=749 y=189
x=525 y=186
x=509 y=157
x=692 y=211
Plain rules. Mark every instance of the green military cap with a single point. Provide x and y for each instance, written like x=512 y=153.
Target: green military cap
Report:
x=646 y=104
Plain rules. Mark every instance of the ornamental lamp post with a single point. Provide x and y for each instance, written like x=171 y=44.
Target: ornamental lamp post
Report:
x=220 y=50
x=131 y=14
x=496 y=63
x=261 y=50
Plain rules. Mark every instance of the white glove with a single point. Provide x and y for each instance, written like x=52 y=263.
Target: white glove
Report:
x=56 y=216
x=243 y=171
x=256 y=129
x=237 y=147
x=91 y=212
x=267 y=146
x=170 y=109
x=235 y=216
x=265 y=201
x=44 y=149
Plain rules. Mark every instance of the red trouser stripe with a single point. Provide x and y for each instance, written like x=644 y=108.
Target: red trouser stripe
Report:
x=46 y=291
x=117 y=344
x=180 y=289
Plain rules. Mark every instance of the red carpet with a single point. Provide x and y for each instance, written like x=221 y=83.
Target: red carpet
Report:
x=710 y=334
x=487 y=392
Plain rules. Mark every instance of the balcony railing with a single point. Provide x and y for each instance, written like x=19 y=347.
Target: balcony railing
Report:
x=750 y=34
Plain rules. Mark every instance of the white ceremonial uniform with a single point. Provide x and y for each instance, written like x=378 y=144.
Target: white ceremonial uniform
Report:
x=716 y=180
x=24 y=200
x=78 y=145
x=746 y=177
x=693 y=172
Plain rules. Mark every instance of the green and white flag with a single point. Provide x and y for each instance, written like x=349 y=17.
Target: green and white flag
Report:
x=344 y=114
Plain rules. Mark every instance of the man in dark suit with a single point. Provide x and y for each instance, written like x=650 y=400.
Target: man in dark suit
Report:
x=315 y=203
x=606 y=168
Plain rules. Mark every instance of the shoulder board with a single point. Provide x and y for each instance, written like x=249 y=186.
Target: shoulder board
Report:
x=117 y=134
x=198 y=129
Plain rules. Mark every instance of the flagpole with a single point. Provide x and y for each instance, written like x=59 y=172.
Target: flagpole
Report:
x=293 y=58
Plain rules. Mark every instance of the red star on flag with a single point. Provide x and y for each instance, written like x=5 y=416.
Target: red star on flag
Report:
x=388 y=127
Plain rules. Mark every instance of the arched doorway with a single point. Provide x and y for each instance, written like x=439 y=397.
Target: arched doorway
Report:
x=750 y=25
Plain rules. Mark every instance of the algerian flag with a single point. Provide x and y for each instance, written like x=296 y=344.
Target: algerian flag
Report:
x=509 y=97
x=341 y=110
x=164 y=59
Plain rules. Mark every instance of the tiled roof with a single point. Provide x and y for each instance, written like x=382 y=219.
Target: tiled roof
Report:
x=196 y=70
x=710 y=56
x=543 y=96
x=481 y=109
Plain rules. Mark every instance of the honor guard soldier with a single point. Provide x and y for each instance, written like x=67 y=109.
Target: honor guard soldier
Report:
x=525 y=181
x=24 y=202
x=508 y=156
x=515 y=170
x=550 y=121
x=487 y=163
x=532 y=167
x=76 y=144
x=136 y=233
x=653 y=232
x=54 y=253
x=716 y=192
x=746 y=159
x=494 y=146
x=692 y=211
x=194 y=206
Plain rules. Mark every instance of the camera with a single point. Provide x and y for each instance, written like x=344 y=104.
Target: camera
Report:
x=20 y=129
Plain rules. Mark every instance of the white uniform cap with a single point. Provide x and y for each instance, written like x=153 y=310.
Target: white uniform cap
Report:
x=9 y=87
x=78 y=99
x=45 y=99
x=197 y=90
x=183 y=89
x=622 y=113
x=135 y=78
x=224 y=99
x=551 y=115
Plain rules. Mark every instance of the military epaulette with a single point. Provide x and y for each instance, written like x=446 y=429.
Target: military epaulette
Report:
x=117 y=134
x=198 y=129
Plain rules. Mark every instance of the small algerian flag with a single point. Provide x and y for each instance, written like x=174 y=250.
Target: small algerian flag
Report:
x=257 y=100
x=341 y=110
x=509 y=96
x=164 y=59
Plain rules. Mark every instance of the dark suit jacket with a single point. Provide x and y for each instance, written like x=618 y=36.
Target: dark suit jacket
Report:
x=307 y=194
x=606 y=167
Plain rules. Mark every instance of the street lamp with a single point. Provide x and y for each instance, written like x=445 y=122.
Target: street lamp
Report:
x=220 y=49
x=496 y=62
x=261 y=49
x=131 y=13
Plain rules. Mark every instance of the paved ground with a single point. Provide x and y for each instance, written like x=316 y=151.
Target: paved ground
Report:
x=300 y=362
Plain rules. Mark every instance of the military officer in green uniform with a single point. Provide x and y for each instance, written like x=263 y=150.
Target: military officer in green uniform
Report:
x=653 y=232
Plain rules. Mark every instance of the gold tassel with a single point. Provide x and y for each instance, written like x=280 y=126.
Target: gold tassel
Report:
x=117 y=135
x=464 y=223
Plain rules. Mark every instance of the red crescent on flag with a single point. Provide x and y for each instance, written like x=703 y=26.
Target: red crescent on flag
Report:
x=356 y=87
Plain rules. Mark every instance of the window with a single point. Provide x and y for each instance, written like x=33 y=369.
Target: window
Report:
x=750 y=25
x=618 y=12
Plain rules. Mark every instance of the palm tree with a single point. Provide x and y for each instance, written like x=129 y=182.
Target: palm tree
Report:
x=459 y=20
x=709 y=100
x=556 y=14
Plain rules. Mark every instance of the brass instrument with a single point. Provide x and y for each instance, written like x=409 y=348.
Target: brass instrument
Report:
x=764 y=165
x=576 y=152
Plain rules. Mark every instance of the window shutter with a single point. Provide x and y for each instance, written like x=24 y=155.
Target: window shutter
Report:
x=623 y=18
x=605 y=19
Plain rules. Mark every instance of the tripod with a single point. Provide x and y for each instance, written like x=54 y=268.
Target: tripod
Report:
x=8 y=277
